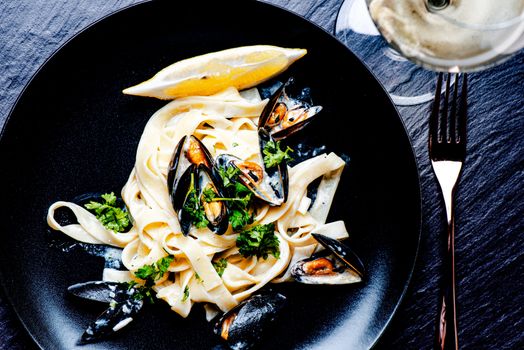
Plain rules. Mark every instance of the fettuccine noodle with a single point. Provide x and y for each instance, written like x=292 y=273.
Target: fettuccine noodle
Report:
x=226 y=123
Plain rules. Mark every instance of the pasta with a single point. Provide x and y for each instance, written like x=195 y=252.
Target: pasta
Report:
x=226 y=123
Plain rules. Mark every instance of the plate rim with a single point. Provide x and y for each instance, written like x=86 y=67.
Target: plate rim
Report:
x=380 y=333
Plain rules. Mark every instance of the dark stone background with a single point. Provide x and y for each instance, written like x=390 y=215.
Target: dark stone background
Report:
x=490 y=208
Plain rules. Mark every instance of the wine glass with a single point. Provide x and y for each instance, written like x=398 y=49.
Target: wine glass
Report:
x=439 y=35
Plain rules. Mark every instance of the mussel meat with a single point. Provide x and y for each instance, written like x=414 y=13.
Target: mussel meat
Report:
x=193 y=186
x=242 y=326
x=188 y=151
x=215 y=210
x=337 y=264
x=284 y=115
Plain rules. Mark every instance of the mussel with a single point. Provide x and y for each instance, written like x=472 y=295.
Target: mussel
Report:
x=193 y=186
x=242 y=326
x=123 y=306
x=270 y=185
x=337 y=264
x=284 y=115
x=215 y=211
x=189 y=151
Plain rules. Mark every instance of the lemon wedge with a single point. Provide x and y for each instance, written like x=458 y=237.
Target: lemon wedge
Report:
x=241 y=67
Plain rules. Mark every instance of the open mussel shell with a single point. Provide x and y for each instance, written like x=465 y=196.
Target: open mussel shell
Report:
x=337 y=264
x=295 y=120
x=284 y=115
x=123 y=306
x=269 y=188
x=341 y=251
x=223 y=161
x=185 y=184
x=188 y=151
x=181 y=196
x=243 y=326
x=278 y=176
x=101 y=291
x=115 y=317
x=190 y=193
x=215 y=211
x=250 y=173
x=190 y=174
x=177 y=166
x=267 y=117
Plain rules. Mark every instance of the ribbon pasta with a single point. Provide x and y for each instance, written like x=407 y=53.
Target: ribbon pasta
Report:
x=226 y=123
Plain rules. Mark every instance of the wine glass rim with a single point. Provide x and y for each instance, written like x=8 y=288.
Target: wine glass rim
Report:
x=470 y=64
x=495 y=26
x=474 y=63
x=459 y=65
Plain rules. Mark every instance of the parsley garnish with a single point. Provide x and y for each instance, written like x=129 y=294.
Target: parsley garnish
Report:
x=186 y=294
x=220 y=266
x=193 y=208
x=273 y=155
x=112 y=217
x=209 y=195
x=240 y=218
x=155 y=271
x=198 y=278
x=142 y=292
x=234 y=144
x=259 y=240
x=240 y=198
x=150 y=273
x=228 y=175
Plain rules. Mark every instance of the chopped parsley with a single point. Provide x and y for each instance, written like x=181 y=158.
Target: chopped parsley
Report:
x=150 y=273
x=240 y=218
x=240 y=199
x=153 y=272
x=209 y=195
x=193 y=208
x=220 y=266
x=228 y=175
x=142 y=292
x=112 y=217
x=259 y=240
x=273 y=154
x=186 y=294
x=198 y=278
x=235 y=144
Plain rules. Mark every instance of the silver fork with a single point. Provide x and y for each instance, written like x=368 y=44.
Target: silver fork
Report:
x=447 y=150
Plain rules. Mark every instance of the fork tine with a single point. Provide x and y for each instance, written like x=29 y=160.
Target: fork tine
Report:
x=462 y=114
x=444 y=113
x=433 y=119
x=453 y=129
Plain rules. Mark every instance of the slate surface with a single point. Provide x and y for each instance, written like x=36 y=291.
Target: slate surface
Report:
x=490 y=206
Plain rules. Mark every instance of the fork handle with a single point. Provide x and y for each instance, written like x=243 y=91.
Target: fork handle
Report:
x=447 y=337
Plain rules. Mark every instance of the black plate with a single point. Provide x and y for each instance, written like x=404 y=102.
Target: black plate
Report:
x=73 y=132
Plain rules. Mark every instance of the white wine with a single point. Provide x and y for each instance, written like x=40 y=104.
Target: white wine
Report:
x=465 y=35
